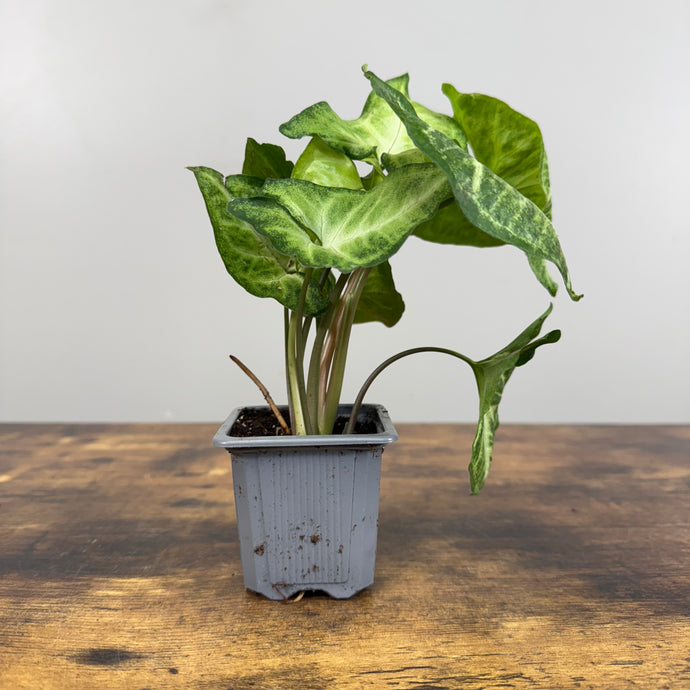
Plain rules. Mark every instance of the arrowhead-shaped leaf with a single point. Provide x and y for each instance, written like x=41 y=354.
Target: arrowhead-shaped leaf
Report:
x=506 y=141
x=248 y=257
x=488 y=202
x=344 y=228
x=265 y=161
x=511 y=145
x=492 y=374
x=375 y=132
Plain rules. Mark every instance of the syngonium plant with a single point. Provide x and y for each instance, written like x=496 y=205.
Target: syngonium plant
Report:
x=316 y=236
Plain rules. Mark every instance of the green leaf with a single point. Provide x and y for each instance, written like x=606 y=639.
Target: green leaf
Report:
x=321 y=164
x=506 y=141
x=393 y=161
x=511 y=145
x=344 y=228
x=375 y=132
x=248 y=257
x=450 y=226
x=265 y=161
x=242 y=185
x=492 y=374
x=380 y=301
x=538 y=265
x=488 y=202
x=374 y=177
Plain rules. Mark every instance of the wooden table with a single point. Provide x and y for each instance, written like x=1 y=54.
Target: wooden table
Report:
x=119 y=566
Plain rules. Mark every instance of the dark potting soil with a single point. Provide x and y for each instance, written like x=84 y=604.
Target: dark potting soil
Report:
x=262 y=422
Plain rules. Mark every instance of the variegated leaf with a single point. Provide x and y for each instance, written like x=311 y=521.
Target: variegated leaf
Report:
x=343 y=228
x=488 y=202
x=248 y=257
x=450 y=226
x=492 y=374
x=506 y=141
x=375 y=132
x=511 y=145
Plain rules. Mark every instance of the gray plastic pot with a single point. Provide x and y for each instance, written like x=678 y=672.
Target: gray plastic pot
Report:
x=307 y=506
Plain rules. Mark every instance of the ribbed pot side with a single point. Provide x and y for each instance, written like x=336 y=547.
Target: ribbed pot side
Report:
x=307 y=507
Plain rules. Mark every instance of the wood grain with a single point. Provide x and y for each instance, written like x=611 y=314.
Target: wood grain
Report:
x=119 y=566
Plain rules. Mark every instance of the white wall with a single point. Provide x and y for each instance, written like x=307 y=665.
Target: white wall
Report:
x=115 y=306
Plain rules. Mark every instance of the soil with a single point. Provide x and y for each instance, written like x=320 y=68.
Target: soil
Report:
x=262 y=422
x=257 y=423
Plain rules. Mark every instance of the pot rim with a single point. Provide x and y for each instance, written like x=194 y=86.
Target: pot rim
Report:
x=387 y=435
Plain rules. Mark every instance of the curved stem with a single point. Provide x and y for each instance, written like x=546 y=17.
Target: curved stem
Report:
x=384 y=365
x=264 y=392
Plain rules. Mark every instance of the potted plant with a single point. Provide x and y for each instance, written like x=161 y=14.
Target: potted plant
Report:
x=316 y=236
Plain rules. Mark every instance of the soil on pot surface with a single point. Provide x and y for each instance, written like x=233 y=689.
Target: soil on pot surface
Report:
x=257 y=423
x=262 y=422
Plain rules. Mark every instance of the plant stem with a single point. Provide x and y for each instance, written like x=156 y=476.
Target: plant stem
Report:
x=298 y=420
x=415 y=350
x=322 y=325
x=286 y=331
x=264 y=392
x=306 y=327
x=334 y=356
x=296 y=346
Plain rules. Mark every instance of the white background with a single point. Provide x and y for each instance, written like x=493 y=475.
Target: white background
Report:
x=114 y=305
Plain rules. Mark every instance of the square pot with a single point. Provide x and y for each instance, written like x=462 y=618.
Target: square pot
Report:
x=307 y=506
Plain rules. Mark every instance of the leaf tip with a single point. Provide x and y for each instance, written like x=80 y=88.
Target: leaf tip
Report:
x=368 y=73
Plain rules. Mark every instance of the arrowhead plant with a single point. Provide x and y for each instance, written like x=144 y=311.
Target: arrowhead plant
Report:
x=317 y=235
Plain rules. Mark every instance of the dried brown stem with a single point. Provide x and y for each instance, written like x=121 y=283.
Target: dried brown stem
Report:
x=264 y=392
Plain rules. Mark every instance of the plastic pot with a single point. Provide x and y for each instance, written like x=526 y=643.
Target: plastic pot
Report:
x=307 y=506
